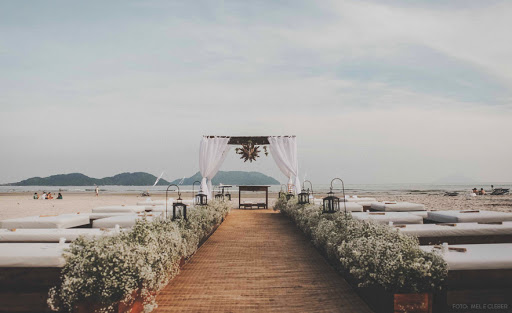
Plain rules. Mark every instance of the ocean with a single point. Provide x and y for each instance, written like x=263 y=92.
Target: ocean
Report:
x=401 y=188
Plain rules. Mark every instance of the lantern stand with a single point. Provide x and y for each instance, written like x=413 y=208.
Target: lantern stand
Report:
x=175 y=205
x=343 y=188
x=193 y=190
x=219 y=195
x=281 y=193
x=333 y=201
x=303 y=196
x=312 y=194
x=227 y=195
x=200 y=198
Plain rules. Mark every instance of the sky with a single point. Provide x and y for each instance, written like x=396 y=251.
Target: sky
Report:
x=375 y=91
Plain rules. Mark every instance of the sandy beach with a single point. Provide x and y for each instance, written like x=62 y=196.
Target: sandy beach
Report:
x=14 y=205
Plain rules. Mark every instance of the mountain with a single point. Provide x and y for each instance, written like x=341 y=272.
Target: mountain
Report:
x=77 y=179
x=233 y=178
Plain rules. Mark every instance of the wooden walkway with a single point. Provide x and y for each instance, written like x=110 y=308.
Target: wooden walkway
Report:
x=258 y=261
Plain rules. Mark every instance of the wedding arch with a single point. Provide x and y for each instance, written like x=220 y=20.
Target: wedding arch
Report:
x=214 y=149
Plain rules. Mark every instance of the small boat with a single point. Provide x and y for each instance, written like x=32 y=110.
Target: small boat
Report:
x=500 y=191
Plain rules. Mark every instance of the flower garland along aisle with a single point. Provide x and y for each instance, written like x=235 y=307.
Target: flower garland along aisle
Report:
x=369 y=254
x=107 y=273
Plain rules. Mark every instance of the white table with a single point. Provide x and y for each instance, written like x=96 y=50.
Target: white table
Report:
x=397 y=206
x=461 y=217
x=32 y=254
x=386 y=217
x=460 y=229
x=51 y=235
x=119 y=209
x=124 y=221
x=478 y=257
x=46 y=221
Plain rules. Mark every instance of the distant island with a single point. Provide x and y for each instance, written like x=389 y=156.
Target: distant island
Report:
x=232 y=178
x=146 y=179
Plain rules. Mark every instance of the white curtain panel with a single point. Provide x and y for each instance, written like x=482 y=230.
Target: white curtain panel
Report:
x=284 y=152
x=212 y=153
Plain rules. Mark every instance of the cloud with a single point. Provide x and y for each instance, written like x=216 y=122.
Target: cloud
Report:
x=376 y=92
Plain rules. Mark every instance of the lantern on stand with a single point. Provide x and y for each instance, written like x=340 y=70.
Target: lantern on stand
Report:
x=179 y=209
x=331 y=203
x=310 y=191
x=200 y=198
x=303 y=197
x=219 y=195
x=227 y=195
x=281 y=192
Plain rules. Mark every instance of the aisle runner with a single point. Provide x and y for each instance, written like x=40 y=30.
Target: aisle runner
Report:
x=258 y=261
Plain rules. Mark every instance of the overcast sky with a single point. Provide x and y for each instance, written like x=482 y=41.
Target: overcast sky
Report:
x=376 y=91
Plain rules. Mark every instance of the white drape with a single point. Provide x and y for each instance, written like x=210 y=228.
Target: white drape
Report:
x=212 y=153
x=284 y=152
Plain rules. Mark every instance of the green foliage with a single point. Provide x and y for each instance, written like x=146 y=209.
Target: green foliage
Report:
x=106 y=270
x=372 y=254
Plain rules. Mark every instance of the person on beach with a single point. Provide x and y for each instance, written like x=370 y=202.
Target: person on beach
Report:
x=43 y=196
x=59 y=196
x=482 y=191
x=36 y=196
x=49 y=196
x=97 y=190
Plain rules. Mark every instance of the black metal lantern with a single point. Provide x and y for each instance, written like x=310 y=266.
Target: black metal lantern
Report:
x=310 y=191
x=281 y=192
x=289 y=196
x=219 y=196
x=303 y=197
x=200 y=198
x=331 y=203
x=179 y=209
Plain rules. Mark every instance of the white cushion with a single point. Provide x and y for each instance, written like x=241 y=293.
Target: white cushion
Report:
x=397 y=206
x=124 y=221
x=119 y=209
x=46 y=221
x=461 y=217
x=150 y=202
x=50 y=235
x=359 y=199
x=351 y=206
x=460 y=229
x=386 y=217
x=32 y=254
x=493 y=256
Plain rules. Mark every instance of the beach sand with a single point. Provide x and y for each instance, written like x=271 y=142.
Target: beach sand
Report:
x=14 y=205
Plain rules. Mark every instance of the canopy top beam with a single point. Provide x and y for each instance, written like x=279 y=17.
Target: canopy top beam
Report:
x=240 y=140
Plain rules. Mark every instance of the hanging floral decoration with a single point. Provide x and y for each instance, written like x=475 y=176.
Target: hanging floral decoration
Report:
x=250 y=152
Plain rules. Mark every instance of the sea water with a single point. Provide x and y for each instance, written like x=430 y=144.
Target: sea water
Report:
x=352 y=189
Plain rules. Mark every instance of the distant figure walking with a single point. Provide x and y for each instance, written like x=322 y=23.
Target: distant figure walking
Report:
x=97 y=190
x=36 y=196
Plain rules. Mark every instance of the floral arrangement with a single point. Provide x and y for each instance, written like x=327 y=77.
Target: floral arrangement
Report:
x=134 y=263
x=370 y=254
